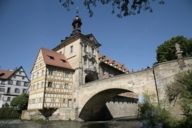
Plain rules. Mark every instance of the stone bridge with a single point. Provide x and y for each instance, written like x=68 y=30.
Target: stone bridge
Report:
x=92 y=96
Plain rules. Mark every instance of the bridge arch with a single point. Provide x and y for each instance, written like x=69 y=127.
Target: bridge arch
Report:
x=92 y=101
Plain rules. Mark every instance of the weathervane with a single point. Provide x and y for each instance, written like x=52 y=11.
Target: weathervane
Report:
x=77 y=10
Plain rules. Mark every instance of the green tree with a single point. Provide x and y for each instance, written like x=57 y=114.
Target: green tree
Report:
x=154 y=115
x=20 y=102
x=119 y=7
x=167 y=51
x=181 y=91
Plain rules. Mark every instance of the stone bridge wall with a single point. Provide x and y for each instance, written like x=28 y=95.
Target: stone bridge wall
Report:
x=152 y=81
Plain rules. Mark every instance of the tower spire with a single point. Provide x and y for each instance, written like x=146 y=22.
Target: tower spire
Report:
x=76 y=24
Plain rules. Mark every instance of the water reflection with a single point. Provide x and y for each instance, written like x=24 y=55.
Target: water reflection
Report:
x=70 y=124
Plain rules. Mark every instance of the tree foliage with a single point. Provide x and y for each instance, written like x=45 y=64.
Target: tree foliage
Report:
x=155 y=115
x=20 y=102
x=167 y=50
x=181 y=90
x=119 y=7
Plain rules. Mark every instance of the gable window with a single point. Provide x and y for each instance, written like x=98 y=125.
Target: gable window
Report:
x=2 y=82
x=18 y=83
x=71 y=49
x=10 y=82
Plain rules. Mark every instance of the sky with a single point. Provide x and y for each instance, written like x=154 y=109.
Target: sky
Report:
x=28 y=25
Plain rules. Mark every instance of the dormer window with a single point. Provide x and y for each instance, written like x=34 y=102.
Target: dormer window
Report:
x=1 y=74
x=64 y=61
x=51 y=57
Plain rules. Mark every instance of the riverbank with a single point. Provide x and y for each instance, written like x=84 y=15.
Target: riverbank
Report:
x=69 y=124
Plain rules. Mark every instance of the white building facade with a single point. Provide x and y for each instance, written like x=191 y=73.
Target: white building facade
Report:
x=12 y=83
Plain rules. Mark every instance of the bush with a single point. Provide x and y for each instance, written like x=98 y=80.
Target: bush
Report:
x=20 y=102
x=9 y=113
x=154 y=115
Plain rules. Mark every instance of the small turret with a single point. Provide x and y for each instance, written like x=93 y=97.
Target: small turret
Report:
x=76 y=25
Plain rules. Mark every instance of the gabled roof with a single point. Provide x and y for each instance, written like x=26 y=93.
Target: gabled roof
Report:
x=91 y=37
x=72 y=38
x=113 y=63
x=5 y=74
x=55 y=59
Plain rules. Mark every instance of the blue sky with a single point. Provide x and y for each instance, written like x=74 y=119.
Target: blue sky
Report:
x=27 y=25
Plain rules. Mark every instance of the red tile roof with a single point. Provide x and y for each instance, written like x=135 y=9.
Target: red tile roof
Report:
x=55 y=59
x=113 y=63
x=5 y=74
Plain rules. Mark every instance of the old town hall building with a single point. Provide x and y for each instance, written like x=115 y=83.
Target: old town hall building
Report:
x=57 y=73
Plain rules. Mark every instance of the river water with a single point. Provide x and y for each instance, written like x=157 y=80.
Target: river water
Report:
x=69 y=124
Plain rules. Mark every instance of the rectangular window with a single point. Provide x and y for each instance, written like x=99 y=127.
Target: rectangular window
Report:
x=17 y=90
x=85 y=61
x=50 y=71
x=26 y=84
x=71 y=49
x=2 y=89
x=66 y=74
x=2 y=82
x=10 y=82
x=42 y=73
x=18 y=83
x=66 y=85
x=92 y=49
x=69 y=104
x=8 y=90
x=42 y=84
x=85 y=48
x=24 y=90
x=8 y=98
x=50 y=84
